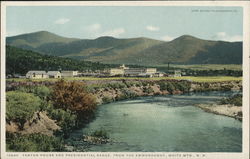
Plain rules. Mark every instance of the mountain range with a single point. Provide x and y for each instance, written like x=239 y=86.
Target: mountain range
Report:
x=185 y=49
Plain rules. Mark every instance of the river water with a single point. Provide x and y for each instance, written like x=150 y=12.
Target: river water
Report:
x=164 y=124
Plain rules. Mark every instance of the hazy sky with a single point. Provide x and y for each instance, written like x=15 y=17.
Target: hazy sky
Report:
x=159 y=22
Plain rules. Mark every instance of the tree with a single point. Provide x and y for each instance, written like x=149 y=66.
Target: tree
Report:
x=73 y=96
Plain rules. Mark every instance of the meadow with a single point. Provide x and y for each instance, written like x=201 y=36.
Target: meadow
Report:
x=205 y=66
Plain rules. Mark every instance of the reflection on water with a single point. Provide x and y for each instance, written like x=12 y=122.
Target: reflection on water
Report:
x=166 y=124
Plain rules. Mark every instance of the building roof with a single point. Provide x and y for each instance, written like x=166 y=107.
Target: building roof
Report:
x=37 y=72
x=51 y=73
x=69 y=71
x=151 y=68
x=124 y=67
x=135 y=69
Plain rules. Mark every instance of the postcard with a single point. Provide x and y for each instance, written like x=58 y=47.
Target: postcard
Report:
x=109 y=79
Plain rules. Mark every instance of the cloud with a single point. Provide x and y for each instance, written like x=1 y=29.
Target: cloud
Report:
x=115 y=32
x=221 y=34
x=235 y=38
x=152 y=28
x=96 y=30
x=94 y=27
x=62 y=21
x=168 y=38
x=225 y=37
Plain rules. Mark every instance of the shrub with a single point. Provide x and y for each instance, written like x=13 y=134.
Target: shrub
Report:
x=138 y=84
x=117 y=85
x=206 y=85
x=21 y=106
x=134 y=83
x=226 y=87
x=127 y=94
x=167 y=86
x=148 y=90
x=144 y=83
x=74 y=97
x=65 y=119
x=182 y=86
x=170 y=86
x=100 y=133
x=163 y=85
x=26 y=89
x=235 y=100
x=107 y=99
x=33 y=142
x=44 y=105
x=41 y=91
x=129 y=84
x=90 y=88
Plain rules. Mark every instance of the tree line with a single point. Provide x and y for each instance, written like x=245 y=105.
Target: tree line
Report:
x=20 y=61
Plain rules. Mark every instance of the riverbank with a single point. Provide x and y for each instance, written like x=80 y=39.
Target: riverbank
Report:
x=226 y=110
x=103 y=91
x=107 y=91
x=111 y=91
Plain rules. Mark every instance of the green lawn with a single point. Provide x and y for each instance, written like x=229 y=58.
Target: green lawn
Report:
x=206 y=66
x=209 y=78
x=191 y=78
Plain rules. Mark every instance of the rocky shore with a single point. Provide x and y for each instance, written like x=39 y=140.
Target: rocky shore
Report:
x=110 y=94
x=226 y=110
x=95 y=140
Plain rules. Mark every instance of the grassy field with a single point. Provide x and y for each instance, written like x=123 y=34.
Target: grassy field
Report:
x=205 y=67
x=190 y=78
x=209 y=78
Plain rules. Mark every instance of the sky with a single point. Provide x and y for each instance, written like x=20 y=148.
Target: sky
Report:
x=156 y=22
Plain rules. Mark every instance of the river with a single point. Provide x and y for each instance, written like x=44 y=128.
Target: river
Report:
x=163 y=124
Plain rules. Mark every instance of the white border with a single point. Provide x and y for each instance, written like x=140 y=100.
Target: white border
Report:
x=246 y=67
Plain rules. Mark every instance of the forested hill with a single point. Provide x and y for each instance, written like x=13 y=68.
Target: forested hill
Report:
x=20 y=61
x=36 y=39
x=144 y=51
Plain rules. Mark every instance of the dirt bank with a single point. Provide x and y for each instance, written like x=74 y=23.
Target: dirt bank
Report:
x=226 y=110
x=40 y=123
x=109 y=94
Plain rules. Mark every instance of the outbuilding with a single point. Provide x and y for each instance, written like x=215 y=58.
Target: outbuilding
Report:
x=36 y=74
x=54 y=74
x=69 y=73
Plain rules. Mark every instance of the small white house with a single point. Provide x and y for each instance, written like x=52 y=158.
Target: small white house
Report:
x=54 y=74
x=36 y=74
x=69 y=73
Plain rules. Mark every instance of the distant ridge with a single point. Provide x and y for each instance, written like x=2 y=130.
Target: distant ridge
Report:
x=185 y=49
x=36 y=39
